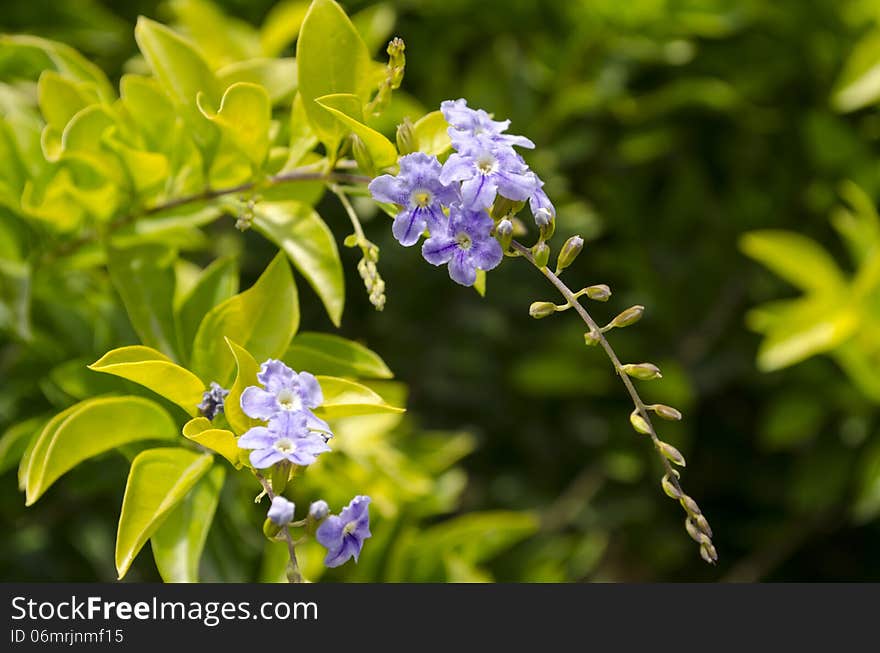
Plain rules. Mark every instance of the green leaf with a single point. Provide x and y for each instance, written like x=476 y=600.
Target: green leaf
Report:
x=178 y=543
x=151 y=110
x=154 y=370
x=182 y=72
x=299 y=230
x=217 y=283
x=344 y=398
x=261 y=319
x=331 y=58
x=282 y=26
x=87 y=429
x=60 y=98
x=158 y=480
x=302 y=136
x=244 y=116
x=16 y=439
x=859 y=83
x=144 y=278
x=246 y=375
x=323 y=353
x=277 y=76
x=796 y=258
x=432 y=133
x=201 y=431
x=348 y=110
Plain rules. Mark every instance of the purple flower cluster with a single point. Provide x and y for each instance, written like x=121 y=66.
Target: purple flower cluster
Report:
x=293 y=432
x=343 y=535
x=451 y=201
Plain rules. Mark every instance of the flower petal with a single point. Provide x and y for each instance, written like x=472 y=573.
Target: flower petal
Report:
x=388 y=188
x=486 y=253
x=437 y=250
x=257 y=437
x=457 y=168
x=275 y=375
x=263 y=458
x=408 y=226
x=258 y=404
x=310 y=390
x=479 y=191
x=461 y=268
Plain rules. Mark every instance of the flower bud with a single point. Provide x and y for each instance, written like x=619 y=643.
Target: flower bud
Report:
x=672 y=454
x=689 y=505
x=642 y=371
x=542 y=309
x=396 y=60
x=692 y=529
x=546 y=223
x=504 y=206
x=362 y=156
x=670 y=490
x=271 y=530
x=319 y=510
x=407 y=141
x=569 y=253
x=541 y=254
x=666 y=412
x=591 y=338
x=708 y=553
x=639 y=423
x=599 y=293
x=703 y=524
x=628 y=317
x=504 y=233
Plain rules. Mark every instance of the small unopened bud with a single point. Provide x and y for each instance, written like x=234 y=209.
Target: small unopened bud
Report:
x=708 y=553
x=666 y=412
x=569 y=253
x=599 y=293
x=319 y=510
x=504 y=233
x=703 y=524
x=639 y=423
x=670 y=490
x=642 y=371
x=671 y=453
x=628 y=317
x=270 y=529
x=541 y=254
x=407 y=141
x=692 y=529
x=362 y=156
x=542 y=309
x=591 y=338
x=689 y=505
x=546 y=223
x=396 y=60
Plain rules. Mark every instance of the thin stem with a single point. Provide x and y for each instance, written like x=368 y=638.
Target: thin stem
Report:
x=349 y=210
x=572 y=299
x=293 y=573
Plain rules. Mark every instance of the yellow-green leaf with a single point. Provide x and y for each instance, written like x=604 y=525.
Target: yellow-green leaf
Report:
x=216 y=283
x=222 y=441
x=243 y=117
x=154 y=370
x=158 y=481
x=87 y=429
x=797 y=259
x=60 y=98
x=178 y=543
x=344 y=398
x=432 y=133
x=246 y=375
x=324 y=353
x=277 y=76
x=347 y=109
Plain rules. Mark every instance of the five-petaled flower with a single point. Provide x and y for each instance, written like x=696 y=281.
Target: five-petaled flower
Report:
x=286 y=437
x=419 y=191
x=285 y=392
x=465 y=244
x=281 y=511
x=343 y=535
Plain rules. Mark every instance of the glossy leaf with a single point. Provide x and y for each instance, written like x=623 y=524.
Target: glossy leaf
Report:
x=245 y=375
x=159 y=479
x=87 y=429
x=201 y=431
x=243 y=117
x=324 y=353
x=298 y=230
x=796 y=258
x=178 y=543
x=344 y=398
x=217 y=283
x=341 y=106
x=153 y=370
x=432 y=133
x=277 y=76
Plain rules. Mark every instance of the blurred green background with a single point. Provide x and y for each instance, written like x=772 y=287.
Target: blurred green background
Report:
x=665 y=130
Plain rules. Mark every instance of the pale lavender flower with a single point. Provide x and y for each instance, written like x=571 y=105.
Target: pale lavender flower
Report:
x=465 y=244
x=281 y=511
x=285 y=391
x=419 y=191
x=343 y=535
x=465 y=123
x=287 y=437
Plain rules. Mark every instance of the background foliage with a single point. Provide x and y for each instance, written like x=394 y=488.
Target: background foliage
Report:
x=672 y=136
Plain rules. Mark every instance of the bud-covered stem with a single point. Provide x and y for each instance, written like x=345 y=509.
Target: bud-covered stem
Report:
x=293 y=573
x=641 y=409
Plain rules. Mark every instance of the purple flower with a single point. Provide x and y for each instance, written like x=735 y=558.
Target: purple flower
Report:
x=319 y=510
x=343 y=536
x=419 y=190
x=485 y=169
x=281 y=511
x=466 y=123
x=287 y=437
x=212 y=400
x=465 y=244
x=285 y=391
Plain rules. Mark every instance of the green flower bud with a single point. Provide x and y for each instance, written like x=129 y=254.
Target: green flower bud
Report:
x=504 y=233
x=542 y=309
x=569 y=253
x=639 y=423
x=362 y=156
x=541 y=254
x=692 y=530
x=642 y=371
x=689 y=505
x=666 y=412
x=407 y=141
x=599 y=293
x=708 y=553
x=271 y=530
x=628 y=317
x=591 y=338
x=703 y=525
x=396 y=61
x=670 y=490
x=672 y=454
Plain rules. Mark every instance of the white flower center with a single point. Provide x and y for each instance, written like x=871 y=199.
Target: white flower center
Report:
x=349 y=528
x=422 y=197
x=486 y=163
x=284 y=445
x=289 y=400
x=464 y=241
